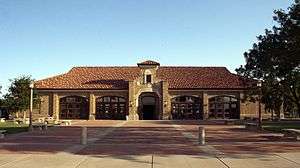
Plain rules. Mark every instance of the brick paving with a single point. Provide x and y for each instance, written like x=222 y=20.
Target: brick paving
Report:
x=231 y=139
x=143 y=138
x=146 y=138
x=137 y=143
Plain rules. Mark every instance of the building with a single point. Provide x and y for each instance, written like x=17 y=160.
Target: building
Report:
x=147 y=91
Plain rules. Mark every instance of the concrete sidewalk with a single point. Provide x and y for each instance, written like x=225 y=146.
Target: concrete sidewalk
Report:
x=153 y=144
x=66 y=160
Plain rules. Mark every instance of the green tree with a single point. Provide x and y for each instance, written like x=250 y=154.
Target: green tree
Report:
x=275 y=59
x=18 y=96
x=1 y=100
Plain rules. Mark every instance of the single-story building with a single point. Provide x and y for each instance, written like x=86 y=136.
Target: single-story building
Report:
x=147 y=91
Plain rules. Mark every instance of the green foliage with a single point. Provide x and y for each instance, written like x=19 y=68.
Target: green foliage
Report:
x=18 y=96
x=275 y=59
x=279 y=126
x=1 y=100
x=12 y=128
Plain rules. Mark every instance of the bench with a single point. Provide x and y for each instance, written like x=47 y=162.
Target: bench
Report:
x=2 y=132
x=41 y=126
x=251 y=126
x=294 y=133
x=65 y=122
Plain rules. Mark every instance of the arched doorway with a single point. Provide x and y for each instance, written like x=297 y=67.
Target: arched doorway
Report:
x=224 y=107
x=73 y=107
x=148 y=106
x=111 y=108
x=186 y=108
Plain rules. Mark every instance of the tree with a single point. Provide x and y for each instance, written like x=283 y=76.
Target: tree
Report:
x=18 y=96
x=275 y=59
x=1 y=100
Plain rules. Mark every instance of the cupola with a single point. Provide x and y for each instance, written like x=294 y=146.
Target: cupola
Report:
x=148 y=69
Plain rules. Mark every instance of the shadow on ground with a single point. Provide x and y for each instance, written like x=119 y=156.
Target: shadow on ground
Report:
x=144 y=138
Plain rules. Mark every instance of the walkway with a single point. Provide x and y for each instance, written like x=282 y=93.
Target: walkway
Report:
x=147 y=144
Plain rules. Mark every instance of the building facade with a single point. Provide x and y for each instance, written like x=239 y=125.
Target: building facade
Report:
x=147 y=91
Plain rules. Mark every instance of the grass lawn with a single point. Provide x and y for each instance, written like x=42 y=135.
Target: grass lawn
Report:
x=12 y=128
x=278 y=126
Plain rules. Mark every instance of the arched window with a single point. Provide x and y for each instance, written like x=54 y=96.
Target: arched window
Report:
x=186 y=107
x=74 y=107
x=111 y=107
x=225 y=107
x=147 y=76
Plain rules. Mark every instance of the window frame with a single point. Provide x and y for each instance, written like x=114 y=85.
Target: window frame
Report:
x=186 y=107
x=148 y=78
x=111 y=107
x=223 y=107
x=73 y=107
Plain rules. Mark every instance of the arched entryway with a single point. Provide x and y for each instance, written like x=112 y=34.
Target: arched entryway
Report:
x=73 y=107
x=186 y=108
x=224 y=107
x=148 y=106
x=111 y=108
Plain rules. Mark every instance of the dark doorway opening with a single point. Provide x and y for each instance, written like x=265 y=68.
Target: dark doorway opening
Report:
x=148 y=106
x=148 y=112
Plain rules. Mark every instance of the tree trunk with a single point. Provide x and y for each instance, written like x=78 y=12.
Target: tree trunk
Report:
x=24 y=115
x=272 y=114
x=298 y=109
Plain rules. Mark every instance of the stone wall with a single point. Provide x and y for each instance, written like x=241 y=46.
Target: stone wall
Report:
x=250 y=109
x=50 y=100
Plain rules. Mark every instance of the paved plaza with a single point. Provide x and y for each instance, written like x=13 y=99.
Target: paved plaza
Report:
x=142 y=144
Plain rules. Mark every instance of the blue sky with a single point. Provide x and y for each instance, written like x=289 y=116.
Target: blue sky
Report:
x=43 y=38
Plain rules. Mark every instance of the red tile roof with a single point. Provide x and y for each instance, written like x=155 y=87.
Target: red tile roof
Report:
x=118 y=77
x=148 y=62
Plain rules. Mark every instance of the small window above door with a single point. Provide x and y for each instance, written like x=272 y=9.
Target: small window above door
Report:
x=148 y=78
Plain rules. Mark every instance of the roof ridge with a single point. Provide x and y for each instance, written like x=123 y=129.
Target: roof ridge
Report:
x=159 y=67
x=185 y=66
x=105 y=67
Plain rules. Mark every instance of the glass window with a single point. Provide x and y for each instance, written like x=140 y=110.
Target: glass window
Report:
x=148 y=78
x=186 y=107
x=74 y=107
x=227 y=107
x=106 y=99
x=121 y=99
x=114 y=99
x=111 y=107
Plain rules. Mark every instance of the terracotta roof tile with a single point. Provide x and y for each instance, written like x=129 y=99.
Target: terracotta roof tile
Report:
x=118 y=77
x=149 y=62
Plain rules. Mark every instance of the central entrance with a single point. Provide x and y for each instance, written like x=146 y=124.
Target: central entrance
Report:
x=148 y=106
